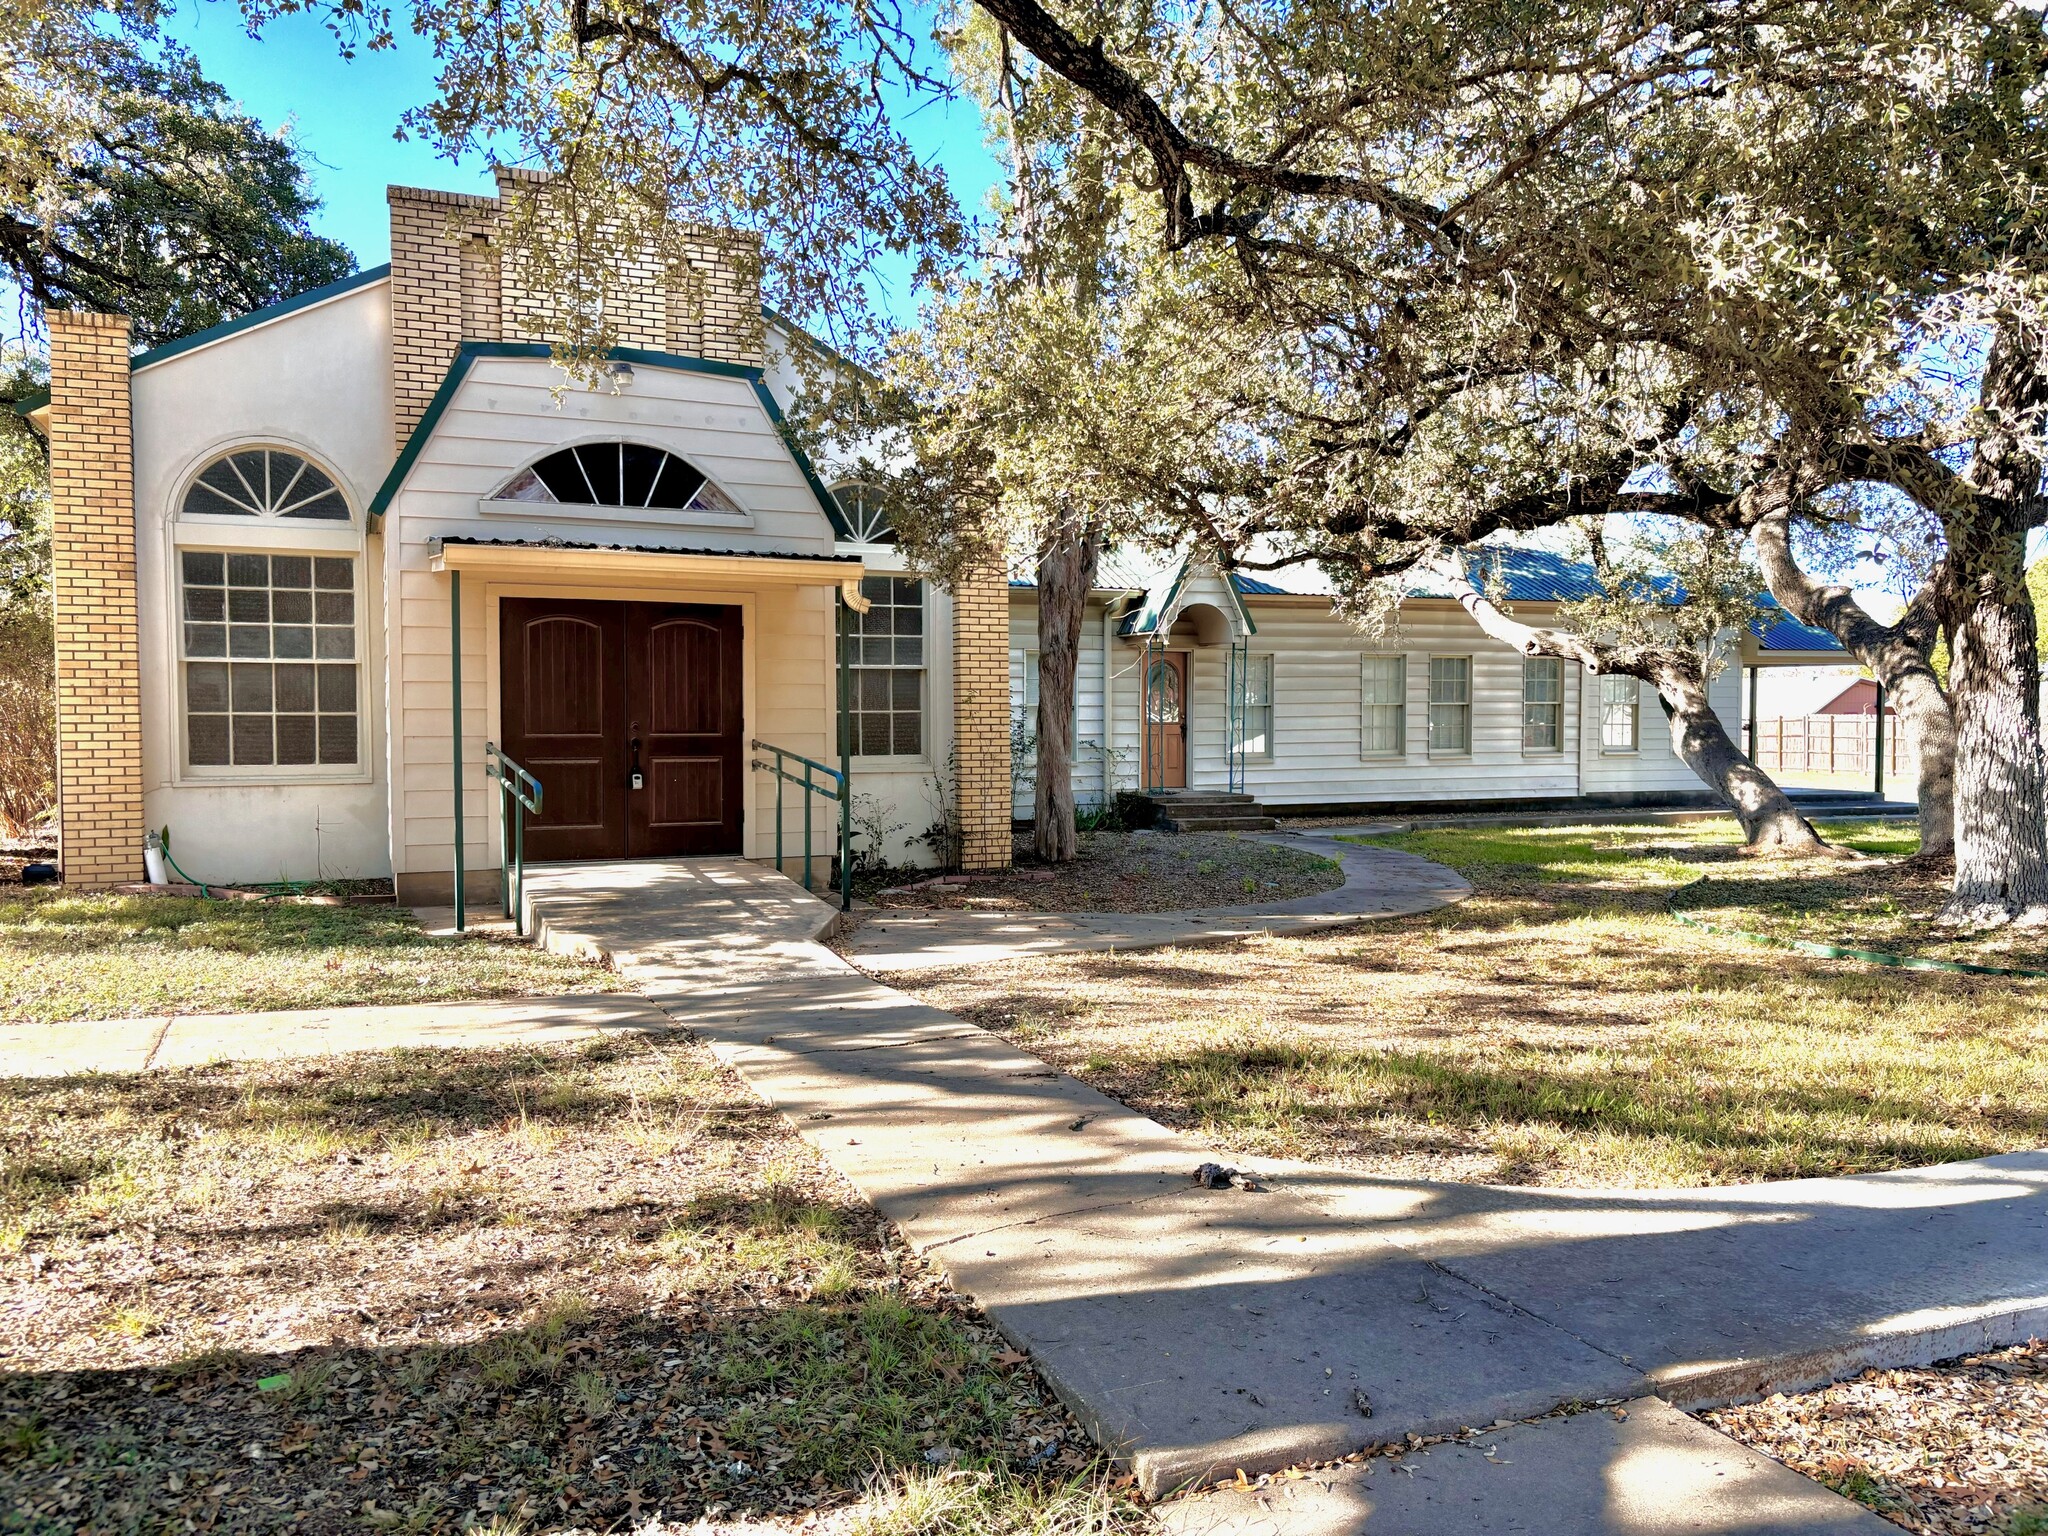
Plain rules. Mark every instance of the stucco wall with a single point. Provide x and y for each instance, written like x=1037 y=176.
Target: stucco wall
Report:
x=316 y=381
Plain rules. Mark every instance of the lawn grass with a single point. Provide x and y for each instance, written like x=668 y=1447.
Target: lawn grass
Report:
x=66 y=955
x=1881 y=902
x=1558 y=1027
x=542 y=1289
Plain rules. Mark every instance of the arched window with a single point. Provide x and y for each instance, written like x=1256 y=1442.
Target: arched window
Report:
x=269 y=636
x=264 y=482
x=617 y=474
x=865 y=514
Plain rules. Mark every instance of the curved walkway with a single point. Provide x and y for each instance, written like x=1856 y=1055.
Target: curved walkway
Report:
x=1201 y=1331
x=1198 y=1331
x=1378 y=883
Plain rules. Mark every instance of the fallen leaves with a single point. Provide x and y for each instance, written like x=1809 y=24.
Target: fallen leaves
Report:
x=1957 y=1449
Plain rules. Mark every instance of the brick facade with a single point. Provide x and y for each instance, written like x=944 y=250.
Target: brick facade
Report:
x=92 y=558
x=981 y=718
x=442 y=274
x=451 y=281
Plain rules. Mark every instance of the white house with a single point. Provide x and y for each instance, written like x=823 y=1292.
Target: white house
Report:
x=1189 y=681
x=310 y=562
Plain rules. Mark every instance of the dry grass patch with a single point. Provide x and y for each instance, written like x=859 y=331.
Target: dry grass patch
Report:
x=67 y=955
x=541 y=1289
x=1556 y=1028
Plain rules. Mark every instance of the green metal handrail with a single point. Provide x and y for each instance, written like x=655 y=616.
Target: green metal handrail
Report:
x=518 y=793
x=835 y=789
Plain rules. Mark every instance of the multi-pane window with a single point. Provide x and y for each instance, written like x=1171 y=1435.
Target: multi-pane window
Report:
x=1450 y=703
x=885 y=650
x=1619 y=713
x=1542 y=704
x=1255 y=719
x=1382 y=706
x=269 y=659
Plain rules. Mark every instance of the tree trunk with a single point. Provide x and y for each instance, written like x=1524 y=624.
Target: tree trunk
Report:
x=1995 y=671
x=2001 y=778
x=1771 y=823
x=1066 y=571
x=1893 y=658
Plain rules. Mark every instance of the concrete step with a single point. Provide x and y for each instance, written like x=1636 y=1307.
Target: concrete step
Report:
x=1203 y=821
x=1169 y=800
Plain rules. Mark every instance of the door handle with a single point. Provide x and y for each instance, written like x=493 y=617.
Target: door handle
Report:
x=638 y=779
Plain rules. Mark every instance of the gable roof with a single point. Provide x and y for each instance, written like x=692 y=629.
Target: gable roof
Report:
x=341 y=287
x=470 y=351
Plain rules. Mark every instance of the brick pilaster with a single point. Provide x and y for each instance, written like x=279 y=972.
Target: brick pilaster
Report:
x=443 y=276
x=981 y=718
x=92 y=561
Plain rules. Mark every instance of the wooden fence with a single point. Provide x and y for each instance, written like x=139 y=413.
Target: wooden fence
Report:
x=1834 y=744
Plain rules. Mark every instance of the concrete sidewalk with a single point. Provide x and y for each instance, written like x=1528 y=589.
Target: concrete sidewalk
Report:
x=155 y=1043
x=1201 y=1331
x=1378 y=883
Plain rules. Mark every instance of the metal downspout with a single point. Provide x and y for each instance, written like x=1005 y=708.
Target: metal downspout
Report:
x=455 y=710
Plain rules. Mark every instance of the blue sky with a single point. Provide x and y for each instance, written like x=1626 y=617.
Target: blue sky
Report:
x=343 y=113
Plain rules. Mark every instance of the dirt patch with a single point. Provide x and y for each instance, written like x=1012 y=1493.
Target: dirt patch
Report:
x=565 y=1288
x=1137 y=872
x=1956 y=1449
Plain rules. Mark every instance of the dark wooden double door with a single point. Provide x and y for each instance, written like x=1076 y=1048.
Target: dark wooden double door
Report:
x=630 y=716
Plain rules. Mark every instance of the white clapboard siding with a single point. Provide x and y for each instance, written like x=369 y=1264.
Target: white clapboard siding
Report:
x=1088 y=739
x=507 y=414
x=1318 y=732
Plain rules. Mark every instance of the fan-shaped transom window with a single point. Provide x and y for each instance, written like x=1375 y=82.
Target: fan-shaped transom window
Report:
x=866 y=517
x=617 y=475
x=265 y=482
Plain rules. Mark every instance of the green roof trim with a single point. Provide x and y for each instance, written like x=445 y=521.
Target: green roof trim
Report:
x=1144 y=619
x=256 y=317
x=29 y=404
x=470 y=351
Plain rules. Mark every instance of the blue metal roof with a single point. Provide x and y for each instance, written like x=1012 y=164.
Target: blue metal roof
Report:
x=1777 y=630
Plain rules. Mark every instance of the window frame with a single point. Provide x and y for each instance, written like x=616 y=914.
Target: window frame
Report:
x=315 y=538
x=1556 y=705
x=491 y=503
x=1467 y=704
x=921 y=757
x=1400 y=707
x=266 y=523
x=1635 y=715
x=856 y=538
x=1271 y=707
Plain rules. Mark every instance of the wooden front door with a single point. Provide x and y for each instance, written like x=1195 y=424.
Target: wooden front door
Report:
x=629 y=715
x=683 y=728
x=1166 y=718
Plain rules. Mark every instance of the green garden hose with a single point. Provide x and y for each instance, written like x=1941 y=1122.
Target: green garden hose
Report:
x=164 y=840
